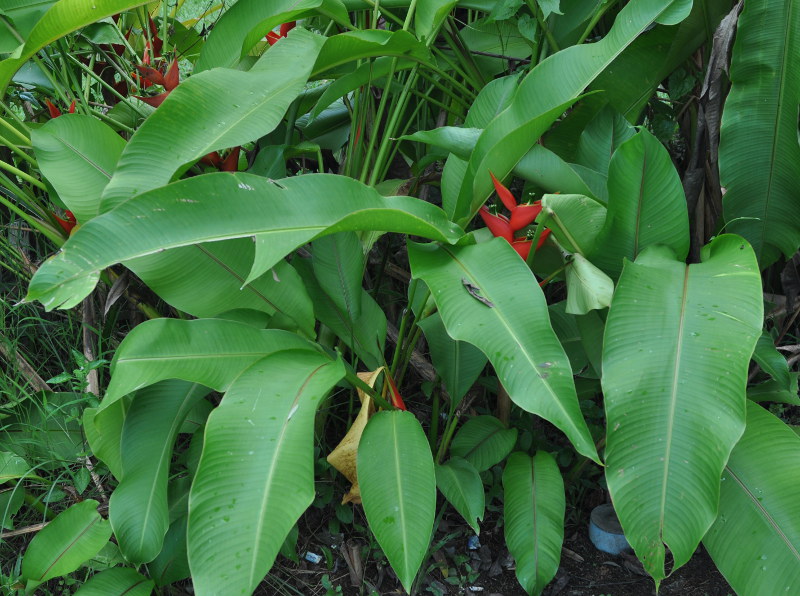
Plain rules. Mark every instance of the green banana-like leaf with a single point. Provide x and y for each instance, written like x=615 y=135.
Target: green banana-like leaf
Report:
x=549 y=172
x=354 y=45
x=398 y=489
x=555 y=82
x=601 y=138
x=256 y=473
x=103 y=428
x=138 y=508
x=63 y=17
x=646 y=205
x=242 y=25
x=566 y=328
x=223 y=268
x=755 y=541
x=491 y=100
x=211 y=352
x=172 y=563
x=77 y=155
x=281 y=215
x=213 y=110
x=73 y=537
x=338 y=262
x=675 y=403
x=533 y=492
x=364 y=334
x=759 y=158
x=458 y=363
x=118 y=581
x=368 y=72
x=588 y=288
x=772 y=361
x=461 y=485
x=483 y=442
x=488 y=297
x=429 y=16
x=575 y=220
x=633 y=77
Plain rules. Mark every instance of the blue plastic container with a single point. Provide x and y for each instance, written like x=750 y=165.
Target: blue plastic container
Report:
x=605 y=531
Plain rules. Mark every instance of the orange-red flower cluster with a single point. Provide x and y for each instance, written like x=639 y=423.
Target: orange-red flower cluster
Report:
x=272 y=37
x=521 y=216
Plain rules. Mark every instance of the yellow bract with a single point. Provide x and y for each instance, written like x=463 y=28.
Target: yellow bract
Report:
x=343 y=458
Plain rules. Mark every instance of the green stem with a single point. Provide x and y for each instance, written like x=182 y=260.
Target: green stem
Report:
x=18 y=151
x=402 y=330
x=595 y=19
x=111 y=89
x=27 y=177
x=539 y=15
x=353 y=379
x=23 y=138
x=34 y=223
x=291 y=118
x=433 y=431
x=450 y=429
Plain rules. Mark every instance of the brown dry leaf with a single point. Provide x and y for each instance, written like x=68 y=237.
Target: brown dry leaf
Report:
x=343 y=457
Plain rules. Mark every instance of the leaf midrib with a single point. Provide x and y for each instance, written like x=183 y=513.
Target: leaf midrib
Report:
x=673 y=402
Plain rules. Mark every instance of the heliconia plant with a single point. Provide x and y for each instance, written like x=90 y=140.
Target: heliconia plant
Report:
x=389 y=131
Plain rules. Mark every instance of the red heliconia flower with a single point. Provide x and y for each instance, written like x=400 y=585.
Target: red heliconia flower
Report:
x=397 y=401
x=169 y=81
x=272 y=37
x=497 y=224
x=505 y=195
x=521 y=216
x=229 y=164
x=66 y=224
x=55 y=112
x=523 y=246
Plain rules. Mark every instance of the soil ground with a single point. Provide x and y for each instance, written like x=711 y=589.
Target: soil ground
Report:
x=488 y=570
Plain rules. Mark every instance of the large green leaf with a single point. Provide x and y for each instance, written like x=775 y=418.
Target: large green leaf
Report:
x=633 y=77
x=755 y=540
x=212 y=352
x=601 y=138
x=119 y=581
x=172 y=564
x=77 y=155
x=364 y=334
x=398 y=489
x=256 y=474
x=458 y=363
x=74 y=536
x=354 y=45
x=533 y=492
x=488 y=297
x=338 y=262
x=103 y=428
x=208 y=279
x=677 y=343
x=138 y=509
x=759 y=158
x=281 y=215
x=63 y=17
x=213 y=110
x=461 y=485
x=483 y=441
x=542 y=96
x=247 y=21
x=646 y=205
